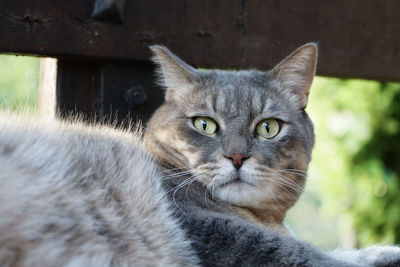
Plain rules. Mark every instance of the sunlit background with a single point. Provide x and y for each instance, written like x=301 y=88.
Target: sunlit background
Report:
x=352 y=198
x=19 y=77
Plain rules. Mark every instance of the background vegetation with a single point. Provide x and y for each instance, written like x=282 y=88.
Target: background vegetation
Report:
x=19 y=82
x=352 y=197
x=355 y=172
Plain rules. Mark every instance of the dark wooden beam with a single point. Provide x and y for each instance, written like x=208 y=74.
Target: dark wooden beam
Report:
x=358 y=38
x=107 y=91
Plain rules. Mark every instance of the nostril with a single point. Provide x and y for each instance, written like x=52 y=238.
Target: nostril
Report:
x=237 y=159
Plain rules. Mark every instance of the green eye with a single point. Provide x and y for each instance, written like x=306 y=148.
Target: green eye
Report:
x=205 y=125
x=268 y=128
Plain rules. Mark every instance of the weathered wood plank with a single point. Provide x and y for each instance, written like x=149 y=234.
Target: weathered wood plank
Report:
x=358 y=38
x=107 y=91
x=47 y=87
x=77 y=90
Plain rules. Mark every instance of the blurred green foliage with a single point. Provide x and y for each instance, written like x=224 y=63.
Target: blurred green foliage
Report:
x=354 y=176
x=357 y=154
x=19 y=82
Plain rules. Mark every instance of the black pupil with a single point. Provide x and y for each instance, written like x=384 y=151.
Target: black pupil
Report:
x=204 y=123
x=267 y=126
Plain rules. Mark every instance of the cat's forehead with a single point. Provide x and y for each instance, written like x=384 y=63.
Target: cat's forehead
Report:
x=235 y=79
x=236 y=93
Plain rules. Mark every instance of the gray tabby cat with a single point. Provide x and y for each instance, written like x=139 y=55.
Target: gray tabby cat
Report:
x=240 y=143
x=76 y=195
x=243 y=135
x=228 y=156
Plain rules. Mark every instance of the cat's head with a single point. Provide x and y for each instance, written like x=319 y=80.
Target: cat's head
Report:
x=242 y=134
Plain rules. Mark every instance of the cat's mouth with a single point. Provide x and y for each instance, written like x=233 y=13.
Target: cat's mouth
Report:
x=235 y=180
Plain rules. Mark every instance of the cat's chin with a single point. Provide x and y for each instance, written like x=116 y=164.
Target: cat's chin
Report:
x=239 y=192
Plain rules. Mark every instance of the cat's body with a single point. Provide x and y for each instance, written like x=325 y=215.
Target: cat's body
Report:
x=74 y=195
x=61 y=206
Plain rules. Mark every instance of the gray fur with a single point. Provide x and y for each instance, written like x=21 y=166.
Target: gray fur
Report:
x=73 y=195
x=78 y=195
x=237 y=100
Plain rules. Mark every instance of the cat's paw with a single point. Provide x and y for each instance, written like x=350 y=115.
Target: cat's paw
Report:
x=382 y=256
x=379 y=256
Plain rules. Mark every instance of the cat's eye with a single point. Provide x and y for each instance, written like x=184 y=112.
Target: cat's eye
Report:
x=268 y=128
x=205 y=125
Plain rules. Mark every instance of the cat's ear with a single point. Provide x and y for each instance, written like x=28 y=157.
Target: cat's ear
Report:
x=174 y=74
x=296 y=72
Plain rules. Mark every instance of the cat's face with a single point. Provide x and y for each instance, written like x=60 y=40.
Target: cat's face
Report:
x=243 y=134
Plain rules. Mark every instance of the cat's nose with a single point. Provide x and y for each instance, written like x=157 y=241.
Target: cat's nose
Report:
x=237 y=159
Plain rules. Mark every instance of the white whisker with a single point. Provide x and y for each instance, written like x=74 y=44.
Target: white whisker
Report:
x=312 y=176
x=276 y=200
x=212 y=185
x=172 y=170
x=176 y=175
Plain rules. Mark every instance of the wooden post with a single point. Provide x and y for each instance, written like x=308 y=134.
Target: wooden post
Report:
x=107 y=91
x=47 y=87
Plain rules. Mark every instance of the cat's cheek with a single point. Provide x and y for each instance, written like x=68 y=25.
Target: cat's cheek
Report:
x=191 y=158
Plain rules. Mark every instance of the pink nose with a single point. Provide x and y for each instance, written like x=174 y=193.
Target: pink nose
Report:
x=237 y=159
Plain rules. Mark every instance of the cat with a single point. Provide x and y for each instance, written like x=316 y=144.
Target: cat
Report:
x=259 y=141
x=77 y=195
x=87 y=195
x=239 y=143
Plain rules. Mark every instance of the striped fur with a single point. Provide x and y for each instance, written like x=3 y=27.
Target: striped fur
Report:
x=83 y=195
x=77 y=195
x=273 y=176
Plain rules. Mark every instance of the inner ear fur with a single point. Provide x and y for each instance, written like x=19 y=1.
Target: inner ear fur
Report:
x=173 y=73
x=296 y=72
